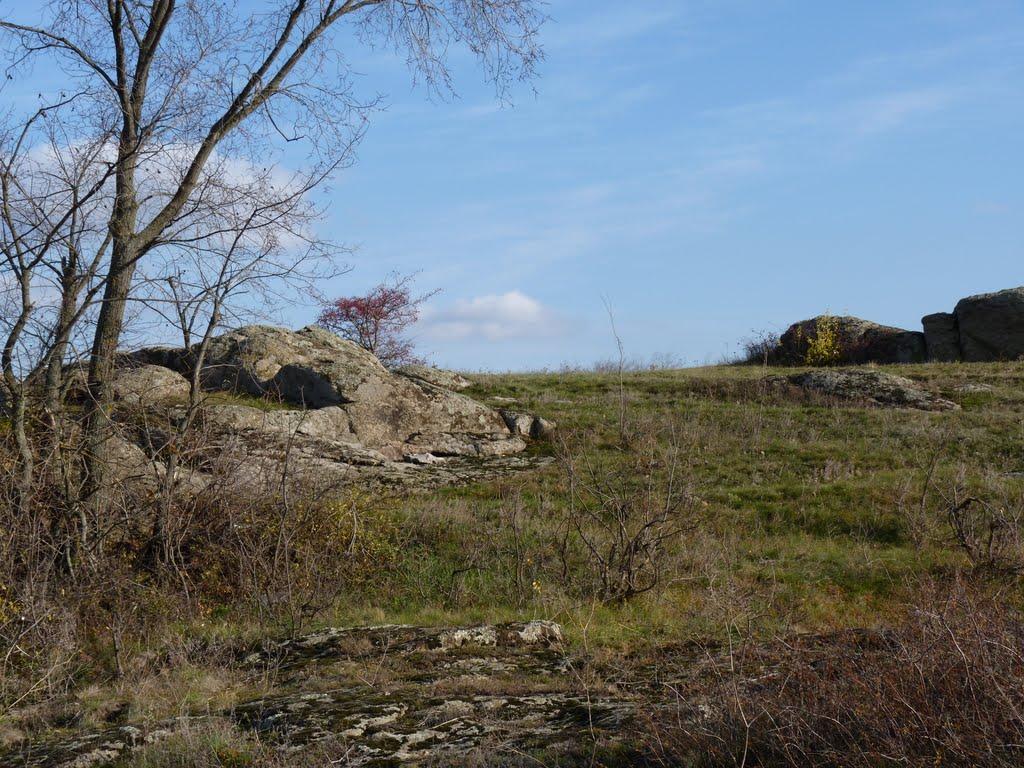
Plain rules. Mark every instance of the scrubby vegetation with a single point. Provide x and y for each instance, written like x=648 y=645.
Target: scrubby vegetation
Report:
x=866 y=560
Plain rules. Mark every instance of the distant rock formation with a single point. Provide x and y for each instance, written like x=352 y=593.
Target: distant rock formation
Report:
x=984 y=328
x=941 y=338
x=988 y=327
x=860 y=341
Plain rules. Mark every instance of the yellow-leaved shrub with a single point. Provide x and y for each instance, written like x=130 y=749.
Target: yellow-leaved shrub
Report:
x=826 y=346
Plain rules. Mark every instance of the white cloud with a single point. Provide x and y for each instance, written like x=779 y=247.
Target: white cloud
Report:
x=494 y=317
x=892 y=111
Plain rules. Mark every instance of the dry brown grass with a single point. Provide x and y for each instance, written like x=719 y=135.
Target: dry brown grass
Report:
x=943 y=687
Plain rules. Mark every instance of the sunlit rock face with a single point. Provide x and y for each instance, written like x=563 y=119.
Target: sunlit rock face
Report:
x=859 y=341
x=330 y=409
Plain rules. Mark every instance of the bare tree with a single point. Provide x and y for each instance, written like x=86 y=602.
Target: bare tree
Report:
x=188 y=107
x=52 y=252
x=227 y=272
x=621 y=519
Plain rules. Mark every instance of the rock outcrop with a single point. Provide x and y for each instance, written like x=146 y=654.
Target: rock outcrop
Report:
x=990 y=326
x=438 y=696
x=149 y=384
x=528 y=425
x=941 y=337
x=867 y=386
x=436 y=376
x=327 y=405
x=860 y=341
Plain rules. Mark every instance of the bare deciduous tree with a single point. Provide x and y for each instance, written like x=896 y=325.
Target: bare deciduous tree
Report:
x=179 y=119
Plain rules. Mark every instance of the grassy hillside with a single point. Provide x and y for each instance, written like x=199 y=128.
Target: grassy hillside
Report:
x=786 y=514
x=806 y=514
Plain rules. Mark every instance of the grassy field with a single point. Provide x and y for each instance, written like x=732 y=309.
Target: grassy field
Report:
x=805 y=515
x=802 y=514
x=792 y=514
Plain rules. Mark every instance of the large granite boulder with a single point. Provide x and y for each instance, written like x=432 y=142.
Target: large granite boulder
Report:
x=148 y=384
x=333 y=391
x=436 y=376
x=988 y=327
x=991 y=326
x=941 y=337
x=861 y=341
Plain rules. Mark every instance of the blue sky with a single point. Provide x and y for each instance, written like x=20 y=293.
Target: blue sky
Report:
x=712 y=168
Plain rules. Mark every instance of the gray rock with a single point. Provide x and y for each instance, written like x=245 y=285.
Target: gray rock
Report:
x=369 y=405
x=941 y=337
x=425 y=459
x=149 y=384
x=868 y=386
x=436 y=376
x=518 y=423
x=862 y=341
x=333 y=414
x=174 y=358
x=438 y=696
x=992 y=326
x=251 y=359
x=354 y=642
x=542 y=429
x=528 y=425
x=973 y=388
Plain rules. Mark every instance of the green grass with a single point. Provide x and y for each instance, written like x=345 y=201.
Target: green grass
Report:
x=808 y=514
x=809 y=510
x=252 y=401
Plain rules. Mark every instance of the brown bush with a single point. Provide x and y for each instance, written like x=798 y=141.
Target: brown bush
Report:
x=623 y=517
x=159 y=555
x=946 y=687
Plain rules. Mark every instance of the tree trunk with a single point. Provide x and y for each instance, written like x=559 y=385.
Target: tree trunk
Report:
x=109 y=325
x=101 y=364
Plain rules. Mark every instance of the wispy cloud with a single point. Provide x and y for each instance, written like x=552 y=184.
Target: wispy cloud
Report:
x=495 y=317
x=608 y=26
x=894 y=110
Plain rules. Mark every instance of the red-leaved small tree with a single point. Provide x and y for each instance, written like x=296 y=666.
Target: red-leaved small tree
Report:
x=378 y=321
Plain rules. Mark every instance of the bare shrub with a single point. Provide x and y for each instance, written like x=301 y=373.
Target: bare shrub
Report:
x=287 y=559
x=945 y=687
x=989 y=534
x=622 y=516
x=760 y=348
x=982 y=517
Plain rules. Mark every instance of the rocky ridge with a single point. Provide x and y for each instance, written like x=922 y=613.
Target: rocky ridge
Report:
x=324 y=409
x=861 y=341
x=987 y=327
x=982 y=328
